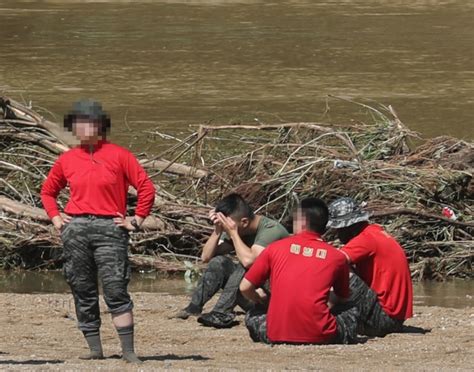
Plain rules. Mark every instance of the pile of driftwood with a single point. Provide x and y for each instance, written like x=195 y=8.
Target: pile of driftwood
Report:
x=274 y=166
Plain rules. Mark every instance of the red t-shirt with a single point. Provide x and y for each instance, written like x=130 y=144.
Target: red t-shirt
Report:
x=98 y=181
x=382 y=264
x=302 y=269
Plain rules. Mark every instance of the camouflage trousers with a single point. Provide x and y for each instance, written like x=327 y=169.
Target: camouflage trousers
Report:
x=95 y=248
x=346 y=319
x=221 y=273
x=361 y=314
x=373 y=319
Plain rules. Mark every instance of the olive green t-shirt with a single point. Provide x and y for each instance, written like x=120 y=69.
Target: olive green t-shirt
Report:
x=268 y=231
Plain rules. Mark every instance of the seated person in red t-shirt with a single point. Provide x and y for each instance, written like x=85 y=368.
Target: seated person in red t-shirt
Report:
x=302 y=269
x=382 y=289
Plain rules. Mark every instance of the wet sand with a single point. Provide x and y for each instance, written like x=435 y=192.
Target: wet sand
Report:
x=39 y=333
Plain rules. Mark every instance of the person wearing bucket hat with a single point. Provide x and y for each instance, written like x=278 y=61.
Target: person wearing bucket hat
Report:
x=381 y=285
x=94 y=230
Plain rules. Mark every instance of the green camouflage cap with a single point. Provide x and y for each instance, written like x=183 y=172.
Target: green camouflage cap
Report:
x=345 y=212
x=87 y=108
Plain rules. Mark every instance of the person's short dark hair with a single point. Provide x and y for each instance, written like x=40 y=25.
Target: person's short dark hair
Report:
x=236 y=206
x=88 y=110
x=316 y=214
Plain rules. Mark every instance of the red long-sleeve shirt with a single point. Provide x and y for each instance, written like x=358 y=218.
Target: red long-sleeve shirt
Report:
x=98 y=178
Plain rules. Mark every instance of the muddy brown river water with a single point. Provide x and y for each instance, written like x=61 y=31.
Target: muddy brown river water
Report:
x=171 y=63
x=454 y=293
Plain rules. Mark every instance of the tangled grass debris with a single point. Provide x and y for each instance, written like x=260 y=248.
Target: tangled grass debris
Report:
x=404 y=186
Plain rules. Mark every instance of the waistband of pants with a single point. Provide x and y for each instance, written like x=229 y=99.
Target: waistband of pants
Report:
x=92 y=216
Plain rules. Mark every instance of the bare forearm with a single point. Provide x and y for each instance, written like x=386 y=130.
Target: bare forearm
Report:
x=252 y=295
x=209 y=249
x=250 y=292
x=243 y=252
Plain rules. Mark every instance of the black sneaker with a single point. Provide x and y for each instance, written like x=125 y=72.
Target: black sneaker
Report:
x=190 y=310
x=218 y=320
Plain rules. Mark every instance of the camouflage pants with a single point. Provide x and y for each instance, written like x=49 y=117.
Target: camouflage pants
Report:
x=346 y=319
x=93 y=248
x=373 y=319
x=221 y=273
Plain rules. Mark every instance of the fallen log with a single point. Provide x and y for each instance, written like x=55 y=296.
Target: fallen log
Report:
x=175 y=168
x=21 y=210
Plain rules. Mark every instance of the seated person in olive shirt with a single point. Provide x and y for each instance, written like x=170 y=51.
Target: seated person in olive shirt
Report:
x=236 y=228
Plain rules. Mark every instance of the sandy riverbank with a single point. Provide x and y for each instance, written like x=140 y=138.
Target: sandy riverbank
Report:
x=39 y=333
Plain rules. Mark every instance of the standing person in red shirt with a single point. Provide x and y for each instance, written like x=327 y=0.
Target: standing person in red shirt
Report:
x=302 y=269
x=94 y=230
x=381 y=287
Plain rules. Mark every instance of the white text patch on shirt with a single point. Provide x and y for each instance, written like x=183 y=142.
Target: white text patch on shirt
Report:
x=295 y=249
x=308 y=252
x=321 y=253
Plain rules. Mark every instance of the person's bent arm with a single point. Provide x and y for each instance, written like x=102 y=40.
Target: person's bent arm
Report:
x=138 y=178
x=53 y=184
x=348 y=259
x=209 y=249
x=244 y=253
x=251 y=292
x=341 y=290
x=255 y=277
x=358 y=250
x=213 y=248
